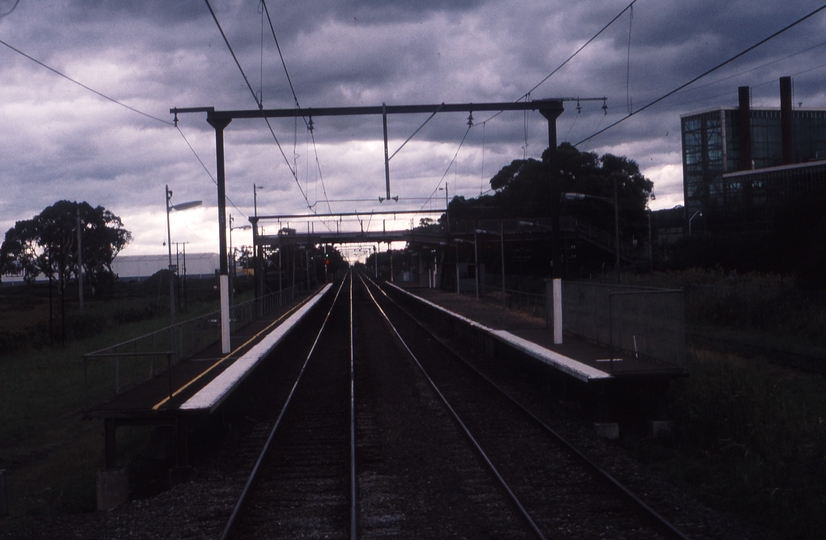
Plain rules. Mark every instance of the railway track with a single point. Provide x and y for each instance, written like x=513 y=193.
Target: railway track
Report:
x=387 y=433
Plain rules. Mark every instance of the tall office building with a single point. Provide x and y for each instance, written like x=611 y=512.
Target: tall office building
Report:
x=740 y=164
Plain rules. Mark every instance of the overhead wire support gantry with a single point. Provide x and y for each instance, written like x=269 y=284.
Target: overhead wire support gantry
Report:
x=219 y=120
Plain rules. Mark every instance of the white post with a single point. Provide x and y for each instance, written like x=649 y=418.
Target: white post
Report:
x=225 y=330
x=557 y=293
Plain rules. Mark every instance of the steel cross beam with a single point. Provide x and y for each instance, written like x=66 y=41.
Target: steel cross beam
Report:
x=535 y=105
x=350 y=214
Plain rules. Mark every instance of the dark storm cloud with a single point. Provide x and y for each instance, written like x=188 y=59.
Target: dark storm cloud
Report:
x=62 y=142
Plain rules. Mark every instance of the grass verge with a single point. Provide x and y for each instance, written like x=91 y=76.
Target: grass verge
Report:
x=750 y=439
x=50 y=453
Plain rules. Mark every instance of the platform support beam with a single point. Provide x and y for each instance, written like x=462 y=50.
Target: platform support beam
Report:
x=112 y=488
x=181 y=443
x=181 y=471
x=4 y=499
x=110 y=442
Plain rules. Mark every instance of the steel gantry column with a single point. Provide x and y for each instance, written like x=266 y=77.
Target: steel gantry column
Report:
x=551 y=114
x=386 y=153
x=219 y=124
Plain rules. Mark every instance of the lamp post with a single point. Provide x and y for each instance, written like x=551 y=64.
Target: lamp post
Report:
x=697 y=213
x=173 y=268
x=651 y=197
x=255 y=188
x=232 y=258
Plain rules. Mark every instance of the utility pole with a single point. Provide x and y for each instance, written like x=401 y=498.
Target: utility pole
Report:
x=79 y=261
x=616 y=231
x=171 y=271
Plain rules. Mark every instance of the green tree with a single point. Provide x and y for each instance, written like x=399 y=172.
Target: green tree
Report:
x=522 y=189
x=47 y=243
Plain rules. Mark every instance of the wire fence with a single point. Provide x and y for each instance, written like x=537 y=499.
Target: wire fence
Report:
x=110 y=371
x=643 y=323
x=640 y=322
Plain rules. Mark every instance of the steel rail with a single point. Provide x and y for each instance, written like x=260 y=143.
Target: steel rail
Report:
x=253 y=476
x=474 y=442
x=650 y=512
x=353 y=509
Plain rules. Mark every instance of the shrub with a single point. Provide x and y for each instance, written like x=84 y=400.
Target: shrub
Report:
x=751 y=438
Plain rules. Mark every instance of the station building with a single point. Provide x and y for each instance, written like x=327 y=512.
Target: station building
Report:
x=741 y=164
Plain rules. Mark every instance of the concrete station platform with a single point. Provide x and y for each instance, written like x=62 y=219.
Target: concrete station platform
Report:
x=191 y=375
x=535 y=330
x=197 y=385
x=611 y=383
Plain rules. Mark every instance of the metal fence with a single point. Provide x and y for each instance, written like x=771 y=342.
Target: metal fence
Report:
x=112 y=370
x=490 y=291
x=645 y=323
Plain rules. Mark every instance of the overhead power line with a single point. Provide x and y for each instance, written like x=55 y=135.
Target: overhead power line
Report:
x=277 y=46
x=259 y=102
x=6 y=14
x=452 y=161
x=595 y=36
x=232 y=52
x=698 y=77
x=116 y=102
x=527 y=94
x=295 y=98
x=99 y=94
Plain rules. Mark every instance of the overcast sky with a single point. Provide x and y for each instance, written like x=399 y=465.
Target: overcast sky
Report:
x=59 y=140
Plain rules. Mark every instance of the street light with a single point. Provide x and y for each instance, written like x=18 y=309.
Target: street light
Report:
x=255 y=188
x=173 y=269
x=447 y=203
x=232 y=256
x=697 y=213
x=651 y=197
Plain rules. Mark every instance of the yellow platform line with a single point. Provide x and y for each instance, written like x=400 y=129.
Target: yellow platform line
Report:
x=220 y=361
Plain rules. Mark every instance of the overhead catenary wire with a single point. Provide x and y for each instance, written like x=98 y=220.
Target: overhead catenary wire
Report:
x=280 y=54
x=6 y=14
x=260 y=106
x=261 y=66
x=116 y=102
x=92 y=90
x=452 y=161
x=751 y=70
x=628 y=101
x=214 y=181
x=603 y=29
x=266 y=11
x=429 y=118
x=706 y=73
x=232 y=52
x=527 y=94
x=259 y=101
